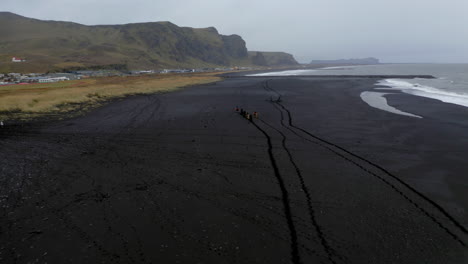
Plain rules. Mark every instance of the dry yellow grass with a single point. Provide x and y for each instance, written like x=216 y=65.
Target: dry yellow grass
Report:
x=22 y=101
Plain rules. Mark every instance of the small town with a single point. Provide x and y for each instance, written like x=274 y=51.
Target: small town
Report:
x=26 y=78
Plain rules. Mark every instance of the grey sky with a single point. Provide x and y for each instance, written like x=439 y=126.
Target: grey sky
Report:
x=392 y=30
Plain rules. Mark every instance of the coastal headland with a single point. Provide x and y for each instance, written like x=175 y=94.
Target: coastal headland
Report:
x=182 y=177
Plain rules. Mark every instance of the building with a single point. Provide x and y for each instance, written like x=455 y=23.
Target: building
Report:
x=46 y=79
x=142 y=72
x=69 y=76
x=16 y=59
x=53 y=79
x=176 y=71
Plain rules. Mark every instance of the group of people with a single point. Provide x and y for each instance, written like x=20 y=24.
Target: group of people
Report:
x=246 y=114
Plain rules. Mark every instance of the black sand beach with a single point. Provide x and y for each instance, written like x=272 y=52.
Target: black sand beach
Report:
x=180 y=177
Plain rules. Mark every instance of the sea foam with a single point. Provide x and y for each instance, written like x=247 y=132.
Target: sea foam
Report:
x=426 y=91
x=284 y=73
x=338 y=68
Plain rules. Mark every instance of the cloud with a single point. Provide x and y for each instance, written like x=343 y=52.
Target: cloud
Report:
x=395 y=30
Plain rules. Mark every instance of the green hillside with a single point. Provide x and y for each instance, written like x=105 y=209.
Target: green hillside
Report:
x=52 y=45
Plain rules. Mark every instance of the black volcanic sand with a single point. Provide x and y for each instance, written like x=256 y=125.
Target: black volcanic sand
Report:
x=182 y=178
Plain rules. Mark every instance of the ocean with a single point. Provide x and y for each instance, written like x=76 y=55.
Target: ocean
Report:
x=450 y=84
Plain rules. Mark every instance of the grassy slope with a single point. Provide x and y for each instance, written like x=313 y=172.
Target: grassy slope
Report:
x=49 y=45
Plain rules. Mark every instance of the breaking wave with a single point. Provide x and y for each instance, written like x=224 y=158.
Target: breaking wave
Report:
x=426 y=91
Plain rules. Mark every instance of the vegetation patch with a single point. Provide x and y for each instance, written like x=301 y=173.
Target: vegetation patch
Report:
x=33 y=100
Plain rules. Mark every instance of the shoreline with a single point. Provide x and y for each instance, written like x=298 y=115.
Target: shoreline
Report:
x=337 y=76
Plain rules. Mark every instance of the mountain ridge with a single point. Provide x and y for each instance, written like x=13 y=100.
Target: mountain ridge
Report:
x=357 y=61
x=54 y=45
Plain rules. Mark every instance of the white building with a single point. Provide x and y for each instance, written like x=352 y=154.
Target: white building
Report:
x=54 y=79
x=15 y=59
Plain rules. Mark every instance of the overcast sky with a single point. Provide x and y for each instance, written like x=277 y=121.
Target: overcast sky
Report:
x=391 y=30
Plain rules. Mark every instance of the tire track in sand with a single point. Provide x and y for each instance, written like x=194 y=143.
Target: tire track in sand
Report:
x=295 y=257
x=312 y=214
x=336 y=148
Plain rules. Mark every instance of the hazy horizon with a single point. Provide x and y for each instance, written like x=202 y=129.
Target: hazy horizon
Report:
x=393 y=31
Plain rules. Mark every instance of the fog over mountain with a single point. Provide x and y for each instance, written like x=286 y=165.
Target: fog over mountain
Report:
x=393 y=31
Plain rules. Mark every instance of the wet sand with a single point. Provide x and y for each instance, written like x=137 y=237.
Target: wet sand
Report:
x=180 y=177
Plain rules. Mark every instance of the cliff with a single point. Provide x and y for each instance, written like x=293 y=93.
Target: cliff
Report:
x=55 y=45
x=264 y=58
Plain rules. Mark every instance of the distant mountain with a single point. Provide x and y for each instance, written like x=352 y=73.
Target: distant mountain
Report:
x=348 y=61
x=264 y=58
x=53 y=45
